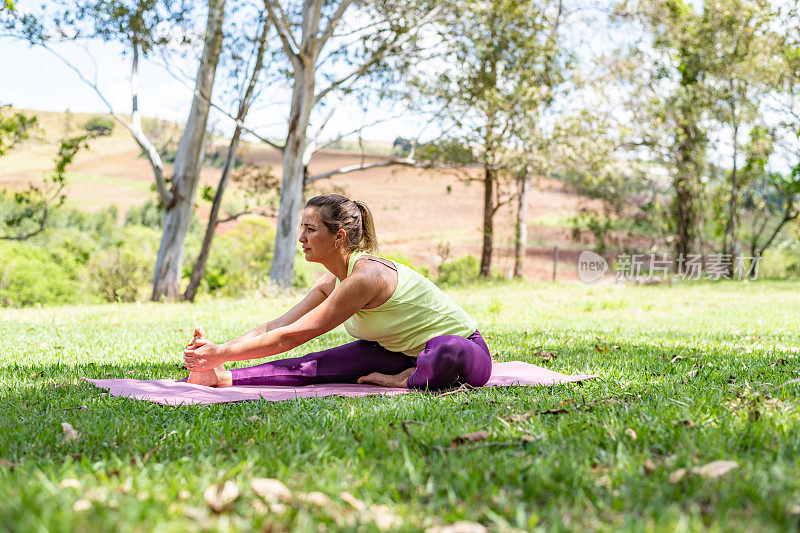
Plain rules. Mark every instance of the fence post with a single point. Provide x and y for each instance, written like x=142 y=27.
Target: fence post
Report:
x=555 y=262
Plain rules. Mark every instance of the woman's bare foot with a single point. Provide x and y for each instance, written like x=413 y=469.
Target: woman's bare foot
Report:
x=388 y=380
x=218 y=377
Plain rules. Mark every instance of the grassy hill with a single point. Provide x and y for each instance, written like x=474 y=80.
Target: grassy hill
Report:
x=419 y=213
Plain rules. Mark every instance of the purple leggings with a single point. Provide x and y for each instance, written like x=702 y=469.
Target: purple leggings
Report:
x=445 y=361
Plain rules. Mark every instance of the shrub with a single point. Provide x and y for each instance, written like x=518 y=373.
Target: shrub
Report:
x=31 y=275
x=458 y=271
x=123 y=271
x=240 y=259
x=779 y=264
x=149 y=214
x=99 y=125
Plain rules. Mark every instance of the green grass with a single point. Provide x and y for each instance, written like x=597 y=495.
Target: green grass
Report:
x=141 y=466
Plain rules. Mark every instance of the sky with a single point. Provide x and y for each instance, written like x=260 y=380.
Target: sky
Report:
x=31 y=77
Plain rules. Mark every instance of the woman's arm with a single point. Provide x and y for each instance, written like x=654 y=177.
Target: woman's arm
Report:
x=321 y=289
x=350 y=296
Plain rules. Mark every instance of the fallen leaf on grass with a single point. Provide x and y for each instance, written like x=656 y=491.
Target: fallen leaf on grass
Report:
x=715 y=469
x=458 y=527
x=688 y=423
x=383 y=517
x=677 y=475
x=520 y=418
x=711 y=470
x=631 y=433
x=315 y=498
x=649 y=466
x=7 y=464
x=272 y=490
x=546 y=356
x=69 y=483
x=553 y=411
x=70 y=433
x=81 y=505
x=354 y=502
x=476 y=436
x=676 y=359
x=220 y=496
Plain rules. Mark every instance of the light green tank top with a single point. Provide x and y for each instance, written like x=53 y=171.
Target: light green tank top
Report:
x=416 y=312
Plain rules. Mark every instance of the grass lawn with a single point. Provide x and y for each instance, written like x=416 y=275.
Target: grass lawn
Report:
x=691 y=375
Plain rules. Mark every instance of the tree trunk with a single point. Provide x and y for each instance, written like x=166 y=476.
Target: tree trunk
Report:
x=521 y=237
x=199 y=268
x=294 y=164
x=731 y=241
x=167 y=276
x=689 y=167
x=488 y=220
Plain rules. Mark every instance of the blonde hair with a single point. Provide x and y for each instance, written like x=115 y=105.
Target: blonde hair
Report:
x=354 y=217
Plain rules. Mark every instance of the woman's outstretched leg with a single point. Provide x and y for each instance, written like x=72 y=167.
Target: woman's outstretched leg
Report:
x=342 y=364
x=451 y=359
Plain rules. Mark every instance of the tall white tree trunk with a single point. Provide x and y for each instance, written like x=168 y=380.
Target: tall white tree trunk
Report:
x=294 y=164
x=186 y=173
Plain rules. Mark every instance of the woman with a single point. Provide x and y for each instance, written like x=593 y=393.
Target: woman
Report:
x=411 y=334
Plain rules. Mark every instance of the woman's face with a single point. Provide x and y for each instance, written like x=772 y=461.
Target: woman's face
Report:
x=318 y=242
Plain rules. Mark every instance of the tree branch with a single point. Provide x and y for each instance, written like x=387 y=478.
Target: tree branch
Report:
x=135 y=129
x=377 y=55
x=411 y=163
x=332 y=22
x=284 y=33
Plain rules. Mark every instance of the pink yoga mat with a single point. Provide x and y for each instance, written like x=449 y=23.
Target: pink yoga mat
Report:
x=171 y=392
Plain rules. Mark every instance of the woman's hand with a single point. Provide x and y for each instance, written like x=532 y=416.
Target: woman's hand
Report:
x=199 y=333
x=202 y=354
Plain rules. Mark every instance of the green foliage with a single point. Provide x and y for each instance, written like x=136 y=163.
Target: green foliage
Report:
x=240 y=259
x=25 y=213
x=32 y=275
x=458 y=271
x=99 y=125
x=14 y=128
x=780 y=263
x=452 y=151
x=122 y=272
x=149 y=215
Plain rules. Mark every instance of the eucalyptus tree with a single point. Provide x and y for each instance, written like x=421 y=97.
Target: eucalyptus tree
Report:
x=141 y=27
x=499 y=63
x=740 y=59
x=331 y=47
x=670 y=105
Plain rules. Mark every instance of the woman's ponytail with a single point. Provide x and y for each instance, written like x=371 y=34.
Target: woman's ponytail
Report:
x=369 y=240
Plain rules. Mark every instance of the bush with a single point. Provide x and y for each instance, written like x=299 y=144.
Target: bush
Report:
x=149 y=214
x=240 y=259
x=779 y=264
x=122 y=272
x=458 y=271
x=99 y=125
x=31 y=275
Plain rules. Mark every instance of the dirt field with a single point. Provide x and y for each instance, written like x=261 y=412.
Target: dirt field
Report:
x=416 y=211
